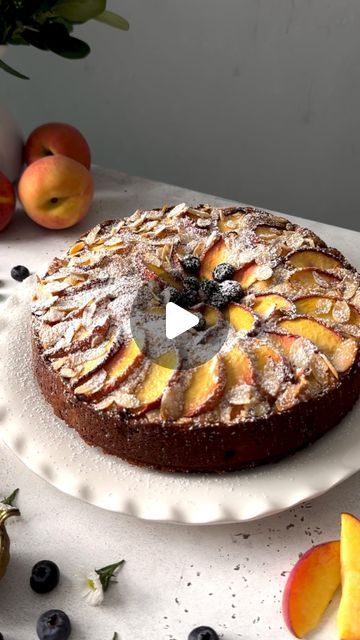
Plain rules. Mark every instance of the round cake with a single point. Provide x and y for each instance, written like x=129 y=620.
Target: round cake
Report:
x=271 y=364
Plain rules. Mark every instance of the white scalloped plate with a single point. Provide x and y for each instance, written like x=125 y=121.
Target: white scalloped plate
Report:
x=56 y=453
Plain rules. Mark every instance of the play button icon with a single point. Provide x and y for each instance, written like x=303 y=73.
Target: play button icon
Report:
x=178 y=320
x=159 y=325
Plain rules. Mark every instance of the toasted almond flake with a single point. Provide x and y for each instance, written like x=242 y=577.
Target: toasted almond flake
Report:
x=178 y=210
x=323 y=305
x=320 y=369
x=240 y=394
x=341 y=311
x=345 y=355
x=66 y=372
x=263 y=272
x=93 y=385
x=329 y=365
x=76 y=248
x=301 y=353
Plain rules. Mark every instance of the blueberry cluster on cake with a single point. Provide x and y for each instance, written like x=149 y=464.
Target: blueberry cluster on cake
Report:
x=287 y=370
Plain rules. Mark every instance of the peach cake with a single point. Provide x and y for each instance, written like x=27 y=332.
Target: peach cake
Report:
x=287 y=371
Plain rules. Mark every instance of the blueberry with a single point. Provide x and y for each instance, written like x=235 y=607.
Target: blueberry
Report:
x=190 y=298
x=1 y=636
x=191 y=283
x=217 y=300
x=223 y=271
x=203 y=633
x=208 y=288
x=19 y=273
x=53 y=625
x=191 y=264
x=176 y=297
x=231 y=290
x=44 y=576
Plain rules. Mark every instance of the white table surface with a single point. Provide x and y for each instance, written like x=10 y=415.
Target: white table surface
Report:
x=175 y=577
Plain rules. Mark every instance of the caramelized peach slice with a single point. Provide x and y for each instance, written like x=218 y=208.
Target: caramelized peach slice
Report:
x=283 y=340
x=310 y=278
x=153 y=272
x=78 y=366
x=217 y=254
x=241 y=318
x=310 y=588
x=348 y=619
x=231 y=222
x=158 y=376
x=328 y=308
x=267 y=232
x=313 y=258
x=268 y=365
x=238 y=367
x=265 y=304
x=122 y=364
x=205 y=388
x=326 y=339
x=246 y=276
x=211 y=314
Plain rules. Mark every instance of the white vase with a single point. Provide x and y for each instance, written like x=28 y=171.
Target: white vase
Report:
x=11 y=140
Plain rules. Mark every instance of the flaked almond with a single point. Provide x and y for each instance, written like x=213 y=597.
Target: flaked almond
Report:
x=344 y=356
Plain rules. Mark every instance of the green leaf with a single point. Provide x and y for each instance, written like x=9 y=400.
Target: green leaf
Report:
x=10 y=499
x=79 y=10
x=113 y=20
x=71 y=48
x=106 y=573
x=12 y=71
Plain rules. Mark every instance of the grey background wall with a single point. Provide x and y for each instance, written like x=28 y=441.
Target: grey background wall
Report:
x=256 y=100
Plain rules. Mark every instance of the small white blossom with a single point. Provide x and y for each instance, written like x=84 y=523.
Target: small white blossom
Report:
x=92 y=591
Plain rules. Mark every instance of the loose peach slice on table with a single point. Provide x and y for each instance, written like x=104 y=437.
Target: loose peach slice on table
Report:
x=316 y=258
x=310 y=277
x=238 y=367
x=158 y=376
x=348 y=619
x=241 y=318
x=310 y=588
x=217 y=254
x=266 y=303
x=205 y=388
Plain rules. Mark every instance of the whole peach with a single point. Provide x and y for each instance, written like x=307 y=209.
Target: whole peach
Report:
x=56 y=191
x=56 y=138
x=7 y=201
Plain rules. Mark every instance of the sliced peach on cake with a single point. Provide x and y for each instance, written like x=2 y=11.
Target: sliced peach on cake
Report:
x=205 y=388
x=253 y=275
x=348 y=619
x=230 y=222
x=267 y=233
x=316 y=258
x=314 y=278
x=212 y=315
x=241 y=318
x=79 y=365
x=266 y=303
x=238 y=367
x=153 y=271
x=217 y=254
x=328 y=308
x=310 y=588
x=282 y=340
x=158 y=376
x=323 y=337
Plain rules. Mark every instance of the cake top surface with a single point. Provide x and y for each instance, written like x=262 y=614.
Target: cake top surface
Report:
x=279 y=315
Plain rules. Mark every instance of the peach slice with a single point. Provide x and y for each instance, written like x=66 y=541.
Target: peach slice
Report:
x=326 y=339
x=154 y=272
x=158 y=376
x=212 y=315
x=328 y=308
x=267 y=232
x=283 y=340
x=246 y=276
x=348 y=619
x=238 y=367
x=205 y=388
x=229 y=223
x=241 y=318
x=310 y=588
x=266 y=303
x=121 y=365
x=313 y=258
x=78 y=366
x=217 y=254
x=313 y=278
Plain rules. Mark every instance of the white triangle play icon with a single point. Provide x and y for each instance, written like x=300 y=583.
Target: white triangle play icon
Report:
x=178 y=320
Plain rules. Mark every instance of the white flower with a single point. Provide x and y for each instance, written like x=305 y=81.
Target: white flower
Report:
x=92 y=590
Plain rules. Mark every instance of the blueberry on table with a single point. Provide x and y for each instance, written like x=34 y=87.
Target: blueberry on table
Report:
x=203 y=633
x=53 y=625
x=223 y=271
x=191 y=264
x=44 y=576
x=20 y=272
